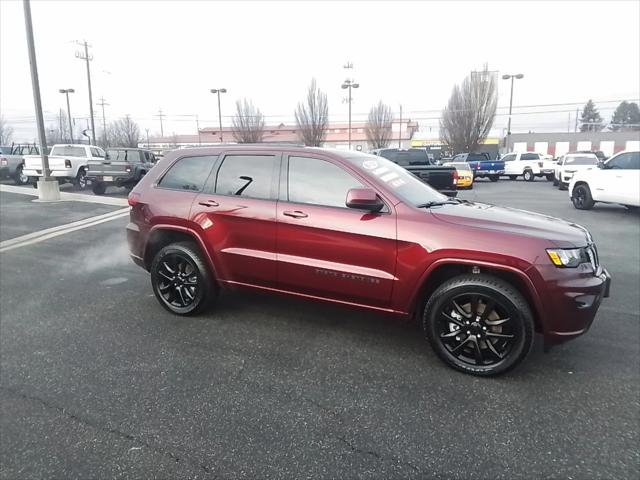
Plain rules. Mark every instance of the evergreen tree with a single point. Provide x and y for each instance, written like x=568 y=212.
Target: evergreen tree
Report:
x=626 y=117
x=590 y=120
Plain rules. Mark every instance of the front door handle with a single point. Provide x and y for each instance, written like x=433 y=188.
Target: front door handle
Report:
x=295 y=214
x=209 y=203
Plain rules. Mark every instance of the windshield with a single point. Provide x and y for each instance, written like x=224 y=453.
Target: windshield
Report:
x=402 y=183
x=582 y=160
x=68 y=151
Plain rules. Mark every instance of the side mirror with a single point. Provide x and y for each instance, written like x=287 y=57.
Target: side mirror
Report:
x=364 y=199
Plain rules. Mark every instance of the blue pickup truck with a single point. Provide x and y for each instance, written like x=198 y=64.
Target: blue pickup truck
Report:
x=481 y=165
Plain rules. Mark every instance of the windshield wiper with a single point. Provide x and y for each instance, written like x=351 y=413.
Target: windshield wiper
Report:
x=437 y=203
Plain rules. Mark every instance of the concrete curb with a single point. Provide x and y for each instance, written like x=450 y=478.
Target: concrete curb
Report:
x=69 y=197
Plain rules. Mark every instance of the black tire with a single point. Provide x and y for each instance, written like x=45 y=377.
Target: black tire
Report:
x=195 y=286
x=550 y=177
x=99 y=188
x=513 y=177
x=581 y=197
x=80 y=181
x=33 y=181
x=509 y=334
x=555 y=181
x=494 y=178
x=528 y=176
x=19 y=178
x=562 y=186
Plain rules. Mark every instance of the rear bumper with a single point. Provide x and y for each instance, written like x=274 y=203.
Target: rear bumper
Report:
x=572 y=303
x=482 y=173
x=110 y=179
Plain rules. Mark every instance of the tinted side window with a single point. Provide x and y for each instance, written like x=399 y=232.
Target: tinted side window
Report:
x=246 y=176
x=529 y=156
x=626 y=161
x=188 y=173
x=319 y=182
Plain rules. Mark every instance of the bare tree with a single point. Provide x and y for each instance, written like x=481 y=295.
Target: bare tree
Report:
x=248 y=123
x=125 y=133
x=312 y=118
x=6 y=132
x=378 y=127
x=468 y=117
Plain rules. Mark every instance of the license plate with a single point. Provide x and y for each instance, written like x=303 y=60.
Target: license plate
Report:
x=107 y=179
x=492 y=171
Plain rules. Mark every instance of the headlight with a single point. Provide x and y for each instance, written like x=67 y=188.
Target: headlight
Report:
x=568 y=257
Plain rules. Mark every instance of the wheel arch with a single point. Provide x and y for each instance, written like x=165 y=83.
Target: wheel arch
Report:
x=445 y=269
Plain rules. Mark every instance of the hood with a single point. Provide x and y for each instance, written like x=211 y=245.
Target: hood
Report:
x=513 y=221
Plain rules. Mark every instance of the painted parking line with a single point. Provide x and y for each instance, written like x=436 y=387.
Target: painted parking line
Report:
x=46 y=234
x=68 y=196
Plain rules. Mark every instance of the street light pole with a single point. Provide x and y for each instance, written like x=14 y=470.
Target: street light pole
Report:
x=47 y=189
x=349 y=84
x=512 y=77
x=67 y=92
x=218 y=91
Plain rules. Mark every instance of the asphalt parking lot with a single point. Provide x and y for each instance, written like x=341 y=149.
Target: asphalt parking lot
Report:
x=98 y=381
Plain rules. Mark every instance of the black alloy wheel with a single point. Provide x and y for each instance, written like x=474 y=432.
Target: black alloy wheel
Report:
x=581 y=197
x=528 y=176
x=180 y=279
x=81 y=179
x=479 y=324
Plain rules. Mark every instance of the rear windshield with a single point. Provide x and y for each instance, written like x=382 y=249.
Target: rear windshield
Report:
x=68 y=151
x=582 y=160
x=477 y=157
x=400 y=181
x=406 y=157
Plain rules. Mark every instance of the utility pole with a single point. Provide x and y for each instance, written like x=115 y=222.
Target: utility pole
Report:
x=67 y=92
x=569 y=123
x=512 y=77
x=104 y=120
x=47 y=189
x=60 y=122
x=349 y=84
x=218 y=91
x=198 y=127
x=576 y=127
x=147 y=130
x=161 y=115
x=400 y=129
x=87 y=58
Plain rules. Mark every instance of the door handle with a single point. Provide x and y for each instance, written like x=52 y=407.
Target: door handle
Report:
x=209 y=203
x=295 y=214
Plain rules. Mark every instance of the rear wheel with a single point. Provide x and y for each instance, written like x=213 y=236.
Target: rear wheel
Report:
x=20 y=178
x=99 y=188
x=528 y=176
x=494 y=178
x=479 y=324
x=581 y=197
x=181 y=280
x=550 y=177
x=555 y=181
x=81 y=179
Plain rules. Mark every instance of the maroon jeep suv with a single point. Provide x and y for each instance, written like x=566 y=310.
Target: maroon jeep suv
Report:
x=357 y=229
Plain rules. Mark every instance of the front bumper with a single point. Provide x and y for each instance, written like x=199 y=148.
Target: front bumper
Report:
x=571 y=301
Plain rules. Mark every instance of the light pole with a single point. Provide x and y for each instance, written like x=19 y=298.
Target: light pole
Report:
x=67 y=92
x=512 y=77
x=218 y=91
x=349 y=84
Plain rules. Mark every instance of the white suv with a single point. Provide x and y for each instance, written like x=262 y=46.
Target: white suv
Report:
x=529 y=165
x=571 y=163
x=617 y=181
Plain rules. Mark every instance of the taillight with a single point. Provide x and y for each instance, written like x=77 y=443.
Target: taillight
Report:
x=67 y=163
x=127 y=169
x=4 y=161
x=133 y=199
x=455 y=177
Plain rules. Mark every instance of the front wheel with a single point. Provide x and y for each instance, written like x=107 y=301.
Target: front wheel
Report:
x=581 y=197
x=555 y=181
x=550 y=177
x=494 y=178
x=479 y=324
x=528 y=176
x=181 y=280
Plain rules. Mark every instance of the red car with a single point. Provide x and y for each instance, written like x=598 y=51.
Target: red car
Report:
x=357 y=229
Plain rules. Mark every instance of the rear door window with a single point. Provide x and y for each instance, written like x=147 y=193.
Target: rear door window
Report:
x=133 y=156
x=247 y=176
x=188 y=173
x=530 y=156
x=68 y=151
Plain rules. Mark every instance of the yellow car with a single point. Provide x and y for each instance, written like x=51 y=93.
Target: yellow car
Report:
x=465 y=175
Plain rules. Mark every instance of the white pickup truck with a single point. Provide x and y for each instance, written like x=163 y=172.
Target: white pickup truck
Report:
x=68 y=163
x=529 y=165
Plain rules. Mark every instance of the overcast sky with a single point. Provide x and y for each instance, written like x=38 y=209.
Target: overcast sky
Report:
x=169 y=54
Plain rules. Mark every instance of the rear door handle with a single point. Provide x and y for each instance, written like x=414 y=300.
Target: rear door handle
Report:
x=295 y=214
x=209 y=203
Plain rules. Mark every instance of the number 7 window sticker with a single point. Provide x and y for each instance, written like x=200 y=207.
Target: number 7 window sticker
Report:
x=383 y=173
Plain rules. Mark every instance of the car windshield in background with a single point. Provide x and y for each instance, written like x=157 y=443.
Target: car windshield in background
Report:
x=477 y=157
x=68 y=151
x=585 y=160
x=117 y=155
x=406 y=157
x=403 y=183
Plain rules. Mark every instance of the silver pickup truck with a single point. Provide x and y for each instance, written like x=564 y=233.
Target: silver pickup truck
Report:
x=12 y=161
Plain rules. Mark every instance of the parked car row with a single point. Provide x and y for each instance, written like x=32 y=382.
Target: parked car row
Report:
x=12 y=161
